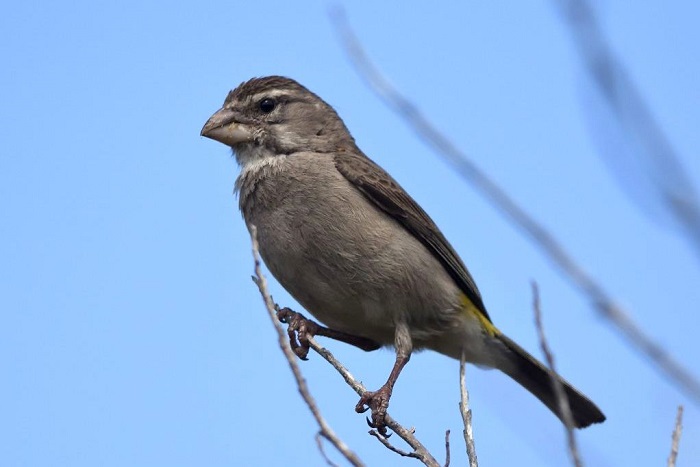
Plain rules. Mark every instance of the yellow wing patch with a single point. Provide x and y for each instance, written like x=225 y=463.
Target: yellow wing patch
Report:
x=473 y=311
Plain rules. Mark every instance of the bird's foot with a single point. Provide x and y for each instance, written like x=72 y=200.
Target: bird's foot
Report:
x=299 y=329
x=378 y=402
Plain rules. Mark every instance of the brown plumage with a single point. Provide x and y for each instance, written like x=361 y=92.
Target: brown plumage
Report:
x=353 y=248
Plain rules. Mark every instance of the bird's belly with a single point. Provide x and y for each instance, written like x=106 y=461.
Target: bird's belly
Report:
x=354 y=268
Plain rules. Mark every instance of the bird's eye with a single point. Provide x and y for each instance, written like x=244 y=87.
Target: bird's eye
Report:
x=267 y=105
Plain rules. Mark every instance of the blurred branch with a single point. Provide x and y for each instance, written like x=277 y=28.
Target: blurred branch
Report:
x=325 y=429
x=466 y=415
x=562 y=400
x=582 y=281
x=319 y=443
x=676 y=438
x=632 y=113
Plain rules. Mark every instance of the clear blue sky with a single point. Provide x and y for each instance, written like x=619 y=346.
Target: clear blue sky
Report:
x=130 y=332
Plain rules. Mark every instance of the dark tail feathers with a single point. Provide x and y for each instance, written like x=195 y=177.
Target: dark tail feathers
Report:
x=536 y=378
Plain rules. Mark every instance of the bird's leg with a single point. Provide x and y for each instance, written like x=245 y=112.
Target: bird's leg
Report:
x=378 y=400
x=300 y=328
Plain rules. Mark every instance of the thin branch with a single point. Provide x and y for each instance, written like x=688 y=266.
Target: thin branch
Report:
x=676 y=438
x=447 y=448
x=562 y=400
x=319 y=444
x=391 y=447
x=325 y=429
x=549 y=245
x=407 y=435
x=466 y=415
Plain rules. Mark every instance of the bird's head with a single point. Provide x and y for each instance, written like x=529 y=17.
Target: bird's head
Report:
x=266 y=117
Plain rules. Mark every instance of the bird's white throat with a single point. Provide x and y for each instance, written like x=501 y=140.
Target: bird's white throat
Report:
x=254 y=168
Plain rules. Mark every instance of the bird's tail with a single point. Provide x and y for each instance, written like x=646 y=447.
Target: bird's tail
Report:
x=536 y=378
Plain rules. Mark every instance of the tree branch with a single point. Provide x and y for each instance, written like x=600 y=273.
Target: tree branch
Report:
x=447 y=448
x=319 y=443
x=419 y=451
x=466 y=415
x=676 y=438
x=562 y=400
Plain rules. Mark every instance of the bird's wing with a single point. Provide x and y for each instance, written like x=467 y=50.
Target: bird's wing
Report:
x=387 y=194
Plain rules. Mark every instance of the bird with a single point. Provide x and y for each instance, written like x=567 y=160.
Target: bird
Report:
x=355 y=250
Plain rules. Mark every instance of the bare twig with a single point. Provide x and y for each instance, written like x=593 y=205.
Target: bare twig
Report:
x=319 y=443
x=562 y=400
x=676 y=439
x=466 y=415
x=655 y=151
x=407 y=435
x=447 y=448
x=325 y=429
x=391 y=447
x=549 y=245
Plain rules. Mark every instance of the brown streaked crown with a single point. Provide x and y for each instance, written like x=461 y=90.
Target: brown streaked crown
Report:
x=268 y=83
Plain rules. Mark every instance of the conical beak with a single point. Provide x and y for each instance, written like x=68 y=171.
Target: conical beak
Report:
x=223 y=128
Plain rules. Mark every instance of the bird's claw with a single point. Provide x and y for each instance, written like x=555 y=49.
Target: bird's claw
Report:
x=378 y=402
x=374 y=427
x=299 y=329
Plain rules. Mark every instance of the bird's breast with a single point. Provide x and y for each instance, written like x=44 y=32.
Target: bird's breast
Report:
x=347 y=262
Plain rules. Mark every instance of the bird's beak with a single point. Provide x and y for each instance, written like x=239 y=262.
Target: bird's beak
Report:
x=223 y=128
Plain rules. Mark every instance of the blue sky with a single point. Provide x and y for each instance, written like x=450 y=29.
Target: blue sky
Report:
x=130 y=332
